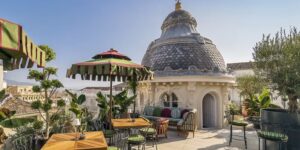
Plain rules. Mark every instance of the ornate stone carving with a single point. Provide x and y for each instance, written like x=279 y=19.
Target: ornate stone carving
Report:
x=191 y=86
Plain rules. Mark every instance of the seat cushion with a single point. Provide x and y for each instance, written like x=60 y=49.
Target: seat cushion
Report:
x=108 y=133
x=238 y=123
x=273 y=136
x=175 y=113
x=174 y=119
x=180 y=123
x=166 y=112
x=157 y=111
x=136 y=139
x=151 y=118
x=148 y=131
x=112 y=148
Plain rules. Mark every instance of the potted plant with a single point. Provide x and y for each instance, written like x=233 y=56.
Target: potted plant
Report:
x=249 y=86
x=79 y=111
x=259 y=102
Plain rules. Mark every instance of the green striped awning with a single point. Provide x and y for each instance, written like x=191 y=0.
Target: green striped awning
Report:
x=16 y=49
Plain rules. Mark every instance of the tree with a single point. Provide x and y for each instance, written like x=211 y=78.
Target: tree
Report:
x=277 y=59
x=250 y=85
x=47 y=87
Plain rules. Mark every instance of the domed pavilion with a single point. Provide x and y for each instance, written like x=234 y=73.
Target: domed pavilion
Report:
x=189 y=71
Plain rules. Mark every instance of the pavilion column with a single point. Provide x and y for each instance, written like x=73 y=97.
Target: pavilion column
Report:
x=225 y=101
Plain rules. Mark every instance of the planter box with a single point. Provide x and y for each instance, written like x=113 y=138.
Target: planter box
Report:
x=289 y=122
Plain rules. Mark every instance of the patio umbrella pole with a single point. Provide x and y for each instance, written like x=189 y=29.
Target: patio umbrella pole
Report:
x=110 y=99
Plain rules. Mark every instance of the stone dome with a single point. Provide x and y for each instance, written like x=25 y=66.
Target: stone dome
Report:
x=181 y=50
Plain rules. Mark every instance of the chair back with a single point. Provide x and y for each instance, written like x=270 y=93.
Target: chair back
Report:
x=121 y=143
x=229 y=116
x=189 y=122
x=25 y=142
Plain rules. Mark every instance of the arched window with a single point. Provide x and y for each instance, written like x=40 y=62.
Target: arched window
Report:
x=169 y=100
x=142 y=101
x=174 y=100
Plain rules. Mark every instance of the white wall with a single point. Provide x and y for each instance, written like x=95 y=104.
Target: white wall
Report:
x=2 y=85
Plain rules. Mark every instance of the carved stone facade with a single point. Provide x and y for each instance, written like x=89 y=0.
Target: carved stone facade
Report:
x=25 y=93
x=190 y=92
x=189 y=72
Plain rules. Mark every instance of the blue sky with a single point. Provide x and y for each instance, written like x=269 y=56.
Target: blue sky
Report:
x=78 y=29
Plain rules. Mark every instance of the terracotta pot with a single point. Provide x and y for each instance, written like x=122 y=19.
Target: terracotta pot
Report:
x=245 y=111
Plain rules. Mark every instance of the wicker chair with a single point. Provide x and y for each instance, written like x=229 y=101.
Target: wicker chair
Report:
x=188 y=124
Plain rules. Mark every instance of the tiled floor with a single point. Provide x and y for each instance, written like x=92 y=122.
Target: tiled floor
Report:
x=206 y=140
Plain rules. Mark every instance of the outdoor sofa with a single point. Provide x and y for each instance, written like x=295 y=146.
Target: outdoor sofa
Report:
x=183 y=119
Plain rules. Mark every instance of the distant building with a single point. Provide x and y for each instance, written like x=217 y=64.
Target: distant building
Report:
x=2 y=82
x=24 y=92
x=91 y=95
x=22 y=108
x=241 y=68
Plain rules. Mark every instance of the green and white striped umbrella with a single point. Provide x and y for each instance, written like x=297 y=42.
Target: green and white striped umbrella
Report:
x=110 y=66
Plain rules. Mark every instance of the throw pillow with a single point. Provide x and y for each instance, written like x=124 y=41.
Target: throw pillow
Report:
x=183 y=111
x=156 y=112
x=185 y=115
x=148 y=110
x=166 y=112
x=175 y=113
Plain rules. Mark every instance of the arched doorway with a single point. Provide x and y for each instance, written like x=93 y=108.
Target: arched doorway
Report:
x=209 y=111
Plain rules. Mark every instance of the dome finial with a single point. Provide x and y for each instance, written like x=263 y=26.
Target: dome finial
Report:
x=178 y=5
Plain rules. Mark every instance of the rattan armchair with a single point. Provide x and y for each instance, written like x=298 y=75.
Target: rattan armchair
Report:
x=188 y=124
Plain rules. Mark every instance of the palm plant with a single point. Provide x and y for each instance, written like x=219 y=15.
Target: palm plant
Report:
x=260 y=102
x=103 y=104
x=79 y=111
x=120 y=104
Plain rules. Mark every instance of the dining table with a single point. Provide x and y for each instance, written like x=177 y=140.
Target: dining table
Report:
x=127 y=123
x=70 y=141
